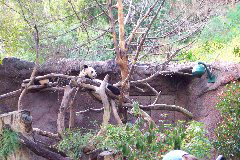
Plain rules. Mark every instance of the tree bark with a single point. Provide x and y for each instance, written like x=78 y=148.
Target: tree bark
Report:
x=122 y=61
x=40 y=150
x=68 y=92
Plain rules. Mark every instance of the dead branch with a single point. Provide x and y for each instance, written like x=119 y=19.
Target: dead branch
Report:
x=53 y=89
x=68 y=92
x=163 y=73
x=175 y=53
x=129 y=12
x=141 y=43
x=104 y=98
x=20 y=107
x=106 y=115
x=72 y=111
x=10 y=94
x=140 y=22
x=151 y=88
x=139 y=48
x=115 y=113
x=49 y=76
x=163 y=107
x=40 y=149
x=46 y=134
x=90 y=109
x=139 y=89
x=157 y=98
x=170 y=108
x=113 y=31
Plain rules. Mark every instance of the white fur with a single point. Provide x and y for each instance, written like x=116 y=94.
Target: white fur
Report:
x=90 y=72
x=44 y=81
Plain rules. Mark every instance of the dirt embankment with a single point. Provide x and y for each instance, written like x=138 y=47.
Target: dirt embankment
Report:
x=194 y=94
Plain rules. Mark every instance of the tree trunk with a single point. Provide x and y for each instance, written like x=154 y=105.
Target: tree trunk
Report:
x=68 y=92
x=122 y=61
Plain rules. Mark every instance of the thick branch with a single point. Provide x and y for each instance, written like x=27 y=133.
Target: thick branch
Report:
x=10 y=94
x=46 y=134
x=40 y=150
x=68 y=92
x=111 y=19
x=104 y=98
x=163 y=107
x=115 y=113
x=121 y=25
x=157 y=74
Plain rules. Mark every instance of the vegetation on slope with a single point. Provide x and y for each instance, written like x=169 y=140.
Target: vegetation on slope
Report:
x=219 y=40
x=63 y=34
x=228 y=131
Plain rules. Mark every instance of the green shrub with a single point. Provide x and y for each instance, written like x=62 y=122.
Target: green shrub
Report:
x=138 y=141
x=9 y=142
x=73 y=142
x=228 y=130
x=196 y=142
x=141 y=141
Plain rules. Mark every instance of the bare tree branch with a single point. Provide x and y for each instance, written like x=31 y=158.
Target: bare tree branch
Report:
x=20 y=107
x=10 y=94
x=129 y=12
x=99 y=110
x=113 y=31
x=104 y=98
x=46 y=134
x=115 y=113
x=40 y=149
x=140 y=21
x=163 y=107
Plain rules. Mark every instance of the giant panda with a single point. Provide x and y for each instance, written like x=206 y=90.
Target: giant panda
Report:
x=89 y=72
x=43 y=82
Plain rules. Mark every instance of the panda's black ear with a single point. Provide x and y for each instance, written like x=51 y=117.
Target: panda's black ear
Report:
x=85 y=66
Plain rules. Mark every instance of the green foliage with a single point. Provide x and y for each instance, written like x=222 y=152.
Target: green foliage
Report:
x=196 y=141
x=219 y=40
x=228 y=130
x=9 y=142
x=136 y=141
x=73 y=143
x=60 y=30
x=176 y=134
x=133 y=142
x=141 y=141
x=190 y=137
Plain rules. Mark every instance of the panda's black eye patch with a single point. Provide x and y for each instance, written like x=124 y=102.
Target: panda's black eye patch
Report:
x=91 y=71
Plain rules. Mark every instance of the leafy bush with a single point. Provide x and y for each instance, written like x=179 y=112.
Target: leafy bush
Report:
x=140 y=141
x=73 y=142
x=9 y=142
x=135 y=141
x=196 y=142
x=228 y=131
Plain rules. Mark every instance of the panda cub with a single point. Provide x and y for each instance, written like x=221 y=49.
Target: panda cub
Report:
x=89 y=72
